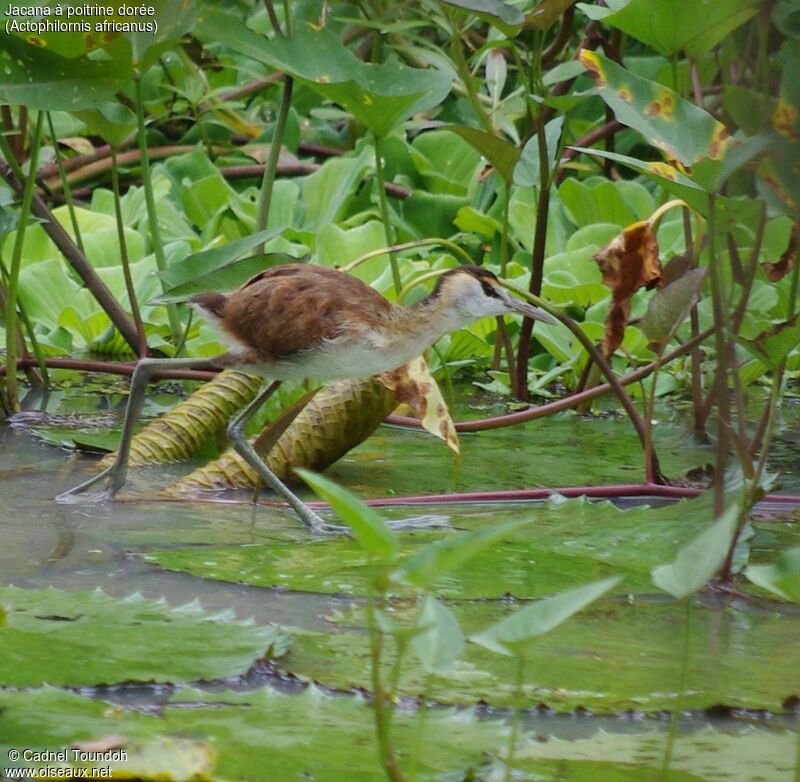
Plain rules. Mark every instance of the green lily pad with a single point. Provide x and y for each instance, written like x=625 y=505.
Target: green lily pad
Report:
x=706 y=754
x=88 y=638
x=558 y=547
x=260 y=735
x=618 y=654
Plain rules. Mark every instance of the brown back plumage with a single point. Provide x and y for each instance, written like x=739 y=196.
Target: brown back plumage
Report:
x=294 y=307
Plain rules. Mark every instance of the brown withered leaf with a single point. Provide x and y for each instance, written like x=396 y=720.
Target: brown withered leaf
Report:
x=628 y=263
x=777 y=271
x=414 y=385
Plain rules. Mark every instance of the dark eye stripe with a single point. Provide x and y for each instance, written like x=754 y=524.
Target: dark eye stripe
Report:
x=489 y=290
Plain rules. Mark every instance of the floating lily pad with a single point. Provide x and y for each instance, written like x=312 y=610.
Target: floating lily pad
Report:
x=89 y=638
x=259 y=735
x=559 y=547
x=616 y=655
x=636 y=757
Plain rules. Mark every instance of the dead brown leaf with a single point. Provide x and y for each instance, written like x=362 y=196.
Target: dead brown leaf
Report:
x=628 y=263
x=777 y=271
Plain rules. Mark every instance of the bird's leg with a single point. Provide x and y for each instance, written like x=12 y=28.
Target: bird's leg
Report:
x=115 y=474
x=238 y=439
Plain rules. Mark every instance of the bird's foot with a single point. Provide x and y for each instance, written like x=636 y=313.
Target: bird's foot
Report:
x=80 y=493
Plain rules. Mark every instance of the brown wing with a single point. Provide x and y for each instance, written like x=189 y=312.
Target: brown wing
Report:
x=294 y=307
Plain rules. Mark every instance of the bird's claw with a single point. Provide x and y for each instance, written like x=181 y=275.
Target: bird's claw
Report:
x=80 y=493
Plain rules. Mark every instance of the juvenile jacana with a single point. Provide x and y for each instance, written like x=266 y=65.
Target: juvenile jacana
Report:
x=300 y=321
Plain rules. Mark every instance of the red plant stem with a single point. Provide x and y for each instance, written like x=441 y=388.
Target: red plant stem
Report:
x=573 y=400
x=112 y=368
x=610 y=491
x=251 y=171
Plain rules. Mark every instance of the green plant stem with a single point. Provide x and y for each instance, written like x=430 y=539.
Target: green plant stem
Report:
x=385 y=749
x=12 y=388
x=649 y=407
x=515 y=719
x=797 y=759
x=771 y=418
x=537 y=257
x=273 y=17
x=287 y=18
x=693 y=248
x=419 y=734
x=62 y=175
x=466 y=77
x=452 y=246
x=150 y=202
x=503 y=340
x=721 y=345
x=126 y=266
x=270 y=170
x=384 y=206
x=676 y=712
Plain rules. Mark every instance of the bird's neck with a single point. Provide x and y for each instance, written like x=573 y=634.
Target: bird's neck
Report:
x=423 y=323
x=437 y=316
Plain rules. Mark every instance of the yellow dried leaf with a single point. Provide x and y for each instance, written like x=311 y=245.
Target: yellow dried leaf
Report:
x=414 y=385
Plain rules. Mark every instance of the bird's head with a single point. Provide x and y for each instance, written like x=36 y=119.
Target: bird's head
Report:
x=477 y=293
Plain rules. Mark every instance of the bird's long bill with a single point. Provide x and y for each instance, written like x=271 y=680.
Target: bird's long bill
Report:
x=530 y=311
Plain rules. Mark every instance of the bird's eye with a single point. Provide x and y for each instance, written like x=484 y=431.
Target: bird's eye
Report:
x=489 y=290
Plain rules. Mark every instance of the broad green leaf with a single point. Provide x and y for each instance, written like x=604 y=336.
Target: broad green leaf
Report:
x=670 y=306
x=545 y=12
x=433 y=562
x=502 y=154
x=369 y=529
x=596 y=201
x=381 y=96
x=220 y=268
x=501 y=15
x=730 y=211
x=100 y=638
x=773 y=346
x=678 y=128
x=440 y=641
x=113 y=122
x=46 y=81
x=172 y=19
x=563 y=72
x=675 y=26
x=448 y=165
x=528 y=171
x=84 y=34
x=782 y=578
x=327 y=193
x=514 y=634
x=337 y=246
x=786 y=17
x=470 y=220
x=698 y=561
